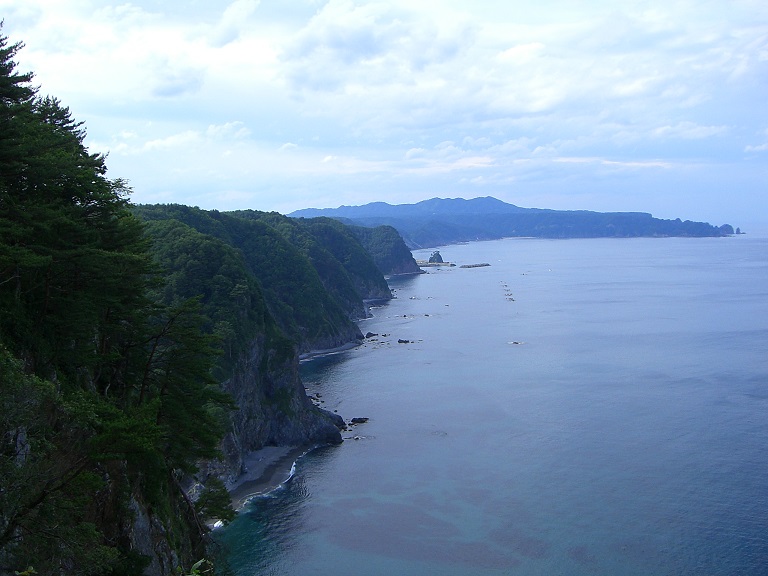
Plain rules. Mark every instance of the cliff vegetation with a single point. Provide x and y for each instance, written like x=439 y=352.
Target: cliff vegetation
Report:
x=145 y=350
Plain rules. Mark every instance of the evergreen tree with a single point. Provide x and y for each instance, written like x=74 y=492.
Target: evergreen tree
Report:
x=106 y=394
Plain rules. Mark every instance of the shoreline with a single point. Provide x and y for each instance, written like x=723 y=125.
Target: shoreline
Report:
x=315 y=353
x=266 y=470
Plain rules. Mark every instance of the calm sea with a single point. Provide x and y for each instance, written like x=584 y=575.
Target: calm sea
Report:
x=577 y=407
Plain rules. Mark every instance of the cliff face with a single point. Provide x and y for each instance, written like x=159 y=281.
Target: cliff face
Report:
x=273 y=288
x=118 y=342
x=273 y=408
x=309 y=292
x=347 y=268
x=388 y=249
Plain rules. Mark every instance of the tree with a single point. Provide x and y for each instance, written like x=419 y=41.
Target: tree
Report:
x=46 y=483
x=107 y=395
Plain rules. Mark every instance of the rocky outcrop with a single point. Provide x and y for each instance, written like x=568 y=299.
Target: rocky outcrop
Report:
x=273 y=408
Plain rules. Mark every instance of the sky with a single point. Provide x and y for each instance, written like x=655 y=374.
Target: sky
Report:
x=646 y=106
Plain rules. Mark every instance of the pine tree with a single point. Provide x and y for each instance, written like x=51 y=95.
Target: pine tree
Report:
x=105 y=392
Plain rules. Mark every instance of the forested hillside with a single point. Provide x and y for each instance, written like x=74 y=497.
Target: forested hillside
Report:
x=441 y=221
x=107 y=394
x=138 y=343
x=315 y=275
x=387 y=248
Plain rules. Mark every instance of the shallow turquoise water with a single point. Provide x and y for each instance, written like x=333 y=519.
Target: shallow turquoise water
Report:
x=577 y=407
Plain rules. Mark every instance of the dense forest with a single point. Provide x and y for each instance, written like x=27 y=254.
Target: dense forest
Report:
x=441 y=221
x=107 y=394
x=145 y=349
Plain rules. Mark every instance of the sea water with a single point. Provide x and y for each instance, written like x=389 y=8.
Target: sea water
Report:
x=578 y=407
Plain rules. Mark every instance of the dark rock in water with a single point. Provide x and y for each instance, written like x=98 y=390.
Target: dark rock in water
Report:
x=337 y=421
x=359 y=420
x=436 y=257
x=370 y=334
x=401 y=341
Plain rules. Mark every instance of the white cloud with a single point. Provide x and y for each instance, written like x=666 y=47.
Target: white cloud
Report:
x=229 y=131
x=689 y=131
x=399 y=97
x=234 y=18
x=177 y=141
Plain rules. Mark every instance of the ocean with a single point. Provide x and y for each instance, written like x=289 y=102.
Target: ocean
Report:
x=580 y=407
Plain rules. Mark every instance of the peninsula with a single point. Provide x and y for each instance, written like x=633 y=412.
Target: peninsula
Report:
x=443 y=221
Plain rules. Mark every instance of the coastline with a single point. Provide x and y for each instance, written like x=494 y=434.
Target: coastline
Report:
x=265 y=470
x=314 y=353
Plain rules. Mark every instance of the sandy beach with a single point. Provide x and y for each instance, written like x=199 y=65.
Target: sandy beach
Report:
x=266 y=469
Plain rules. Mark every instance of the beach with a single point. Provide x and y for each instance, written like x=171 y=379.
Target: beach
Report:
x=265 y=470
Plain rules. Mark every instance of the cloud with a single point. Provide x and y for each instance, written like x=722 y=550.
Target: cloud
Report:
x=177 y=141
x=232 y=22
x=171 y=82
x=229 y=131
x=689 y=131
x=322 y=98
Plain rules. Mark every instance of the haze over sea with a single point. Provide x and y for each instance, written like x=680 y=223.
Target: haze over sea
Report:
x=578 y=407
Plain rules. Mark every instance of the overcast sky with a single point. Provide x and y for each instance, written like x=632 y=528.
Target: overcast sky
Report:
x=653 y=106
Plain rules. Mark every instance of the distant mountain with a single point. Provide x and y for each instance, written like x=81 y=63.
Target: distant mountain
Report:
x=441 y=221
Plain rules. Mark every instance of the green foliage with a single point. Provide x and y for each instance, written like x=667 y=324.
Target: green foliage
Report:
x=73 y=262
x=201 y=568
x=48 y=485
x=387 y=248
x=346 y=269
x=117 y=325
x=215 y=502
x=272 y=272
x=107 y=388
x=200 y=266
x=178 y=376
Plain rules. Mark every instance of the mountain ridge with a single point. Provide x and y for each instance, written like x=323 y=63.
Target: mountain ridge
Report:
x=441 y=221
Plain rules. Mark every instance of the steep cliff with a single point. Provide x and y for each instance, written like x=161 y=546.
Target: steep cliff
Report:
x=347 y=268
x=307 y=290
x=387 y=248
x=130 y=353
x=258 y=366
x=273 y=408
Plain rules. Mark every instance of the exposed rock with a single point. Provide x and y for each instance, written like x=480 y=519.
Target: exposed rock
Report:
x=358 y=420
x=436 y=257
x=273 y=408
